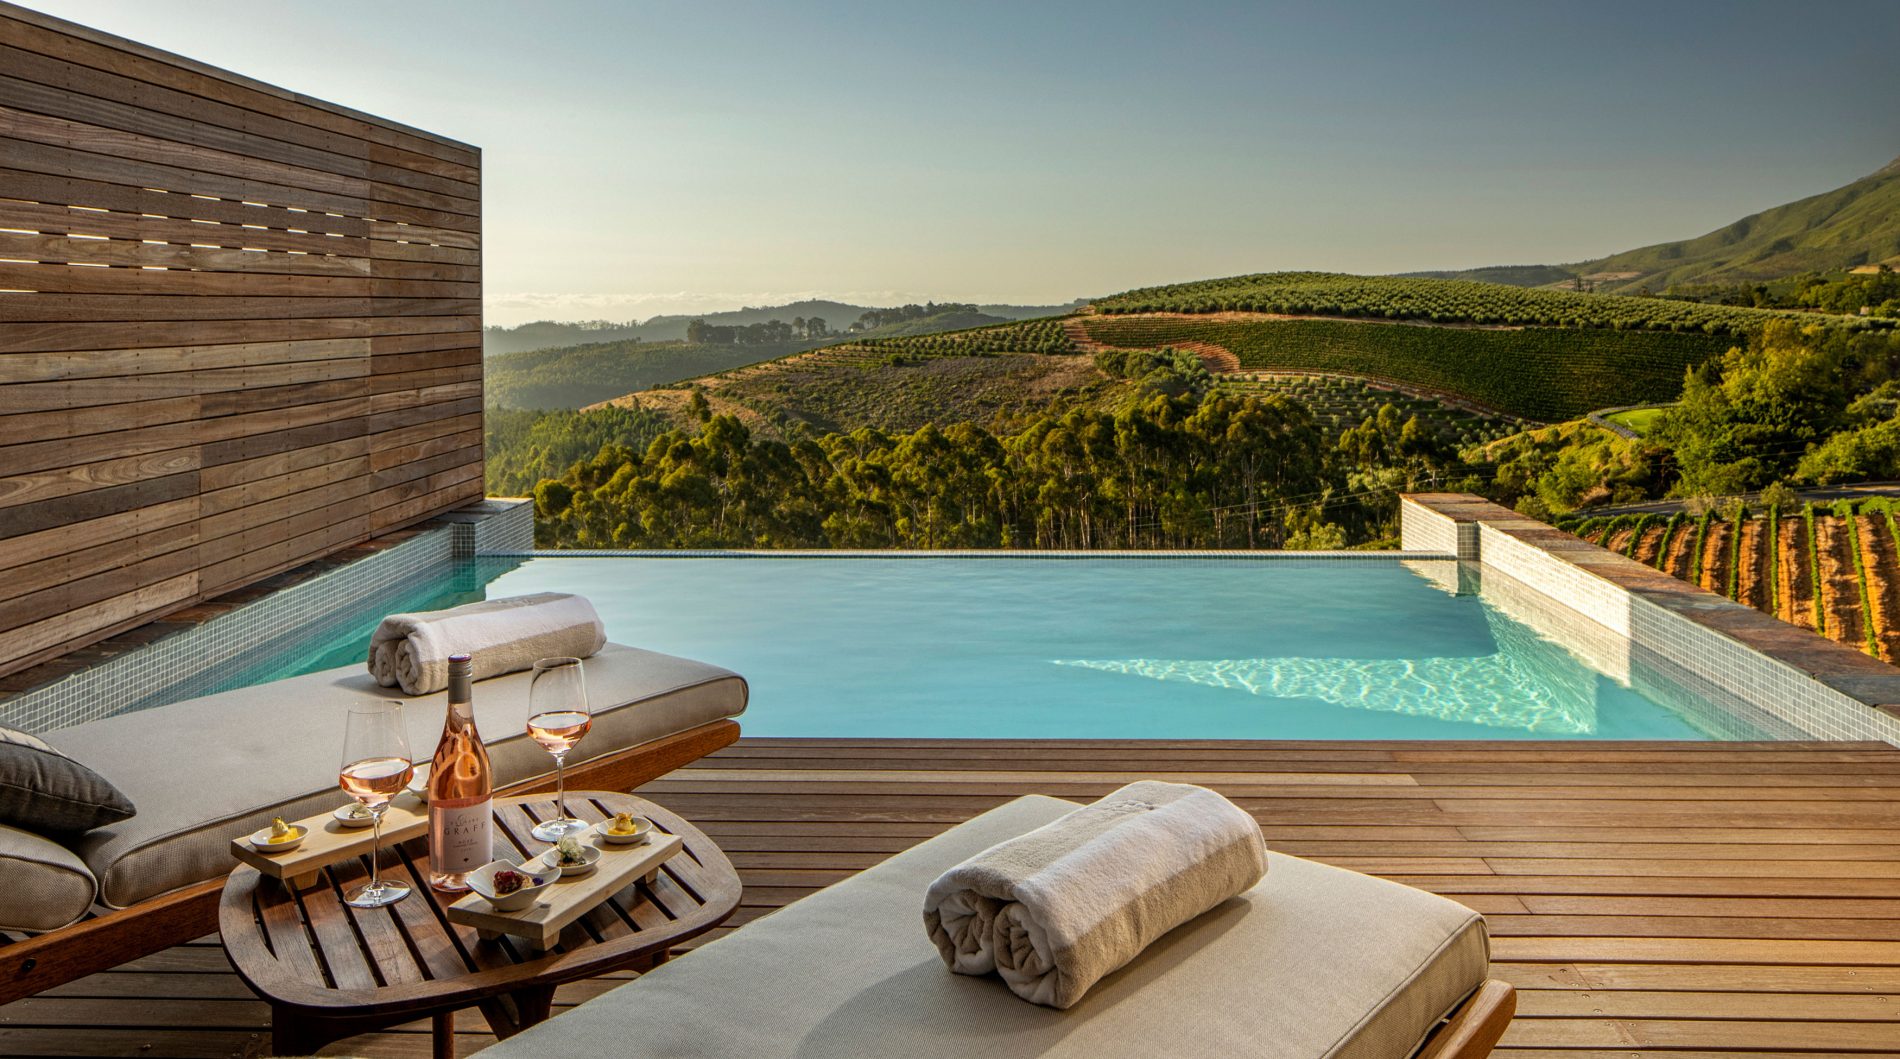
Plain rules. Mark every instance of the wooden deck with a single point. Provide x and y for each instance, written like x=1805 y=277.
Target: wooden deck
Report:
x=1679 y=899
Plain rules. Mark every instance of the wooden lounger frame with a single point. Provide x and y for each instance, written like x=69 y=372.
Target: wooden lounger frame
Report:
x=1473 y=1028
x=108 y=939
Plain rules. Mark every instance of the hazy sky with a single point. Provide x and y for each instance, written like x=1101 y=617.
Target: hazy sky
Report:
x=664 y=157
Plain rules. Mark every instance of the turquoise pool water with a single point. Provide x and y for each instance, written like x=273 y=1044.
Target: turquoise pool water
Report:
x=1116 y=648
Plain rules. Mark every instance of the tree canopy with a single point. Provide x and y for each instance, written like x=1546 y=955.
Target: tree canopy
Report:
x=1168 y=471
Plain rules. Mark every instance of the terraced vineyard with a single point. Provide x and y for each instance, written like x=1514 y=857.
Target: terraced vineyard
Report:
x=1833 y=570
x=890 y=384
x=1340 y=403
x=1436 y=300
x=1539 y=373
x=1027 y=336
x=1466 y=384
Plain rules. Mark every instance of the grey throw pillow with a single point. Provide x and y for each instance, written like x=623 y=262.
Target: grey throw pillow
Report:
x=43 y=790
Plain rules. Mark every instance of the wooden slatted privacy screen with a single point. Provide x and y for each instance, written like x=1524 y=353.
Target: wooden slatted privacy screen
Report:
x=239 y=329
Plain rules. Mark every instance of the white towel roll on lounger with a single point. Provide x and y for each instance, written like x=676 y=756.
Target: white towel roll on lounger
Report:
x=1055 y=910
x=504 y=636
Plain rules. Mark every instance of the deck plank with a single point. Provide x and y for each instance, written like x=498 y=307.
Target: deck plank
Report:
x=1669 y=899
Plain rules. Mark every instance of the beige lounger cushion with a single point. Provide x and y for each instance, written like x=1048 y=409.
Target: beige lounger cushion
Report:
x=43 y=885
x=207 y=770
x=1313 y=962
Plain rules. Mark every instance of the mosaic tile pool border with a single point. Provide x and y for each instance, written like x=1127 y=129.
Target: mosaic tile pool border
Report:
x=493 y=527
x=1818 y=687
x=185 y=661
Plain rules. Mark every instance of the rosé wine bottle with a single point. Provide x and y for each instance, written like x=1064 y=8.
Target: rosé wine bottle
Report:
x=461 y=790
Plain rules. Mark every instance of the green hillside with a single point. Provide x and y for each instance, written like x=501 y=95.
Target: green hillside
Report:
x=524 y=447
x=1544 y=373
x=1511 y=275
x=998 y=373
x=955 y=320
x=837 y=316
x=898 y=383
x=1841 y=229
x=1850 y=227
x=577 y=376
x=1435 y=300
x=1339 y=404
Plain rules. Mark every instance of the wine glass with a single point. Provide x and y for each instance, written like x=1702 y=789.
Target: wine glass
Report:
x=376 y=767
x=557 y=718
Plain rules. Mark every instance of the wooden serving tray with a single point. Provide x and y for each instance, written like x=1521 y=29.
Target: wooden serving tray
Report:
x=568 y=899
x=329 y=841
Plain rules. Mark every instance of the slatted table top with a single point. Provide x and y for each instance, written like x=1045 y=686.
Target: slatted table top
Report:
x=308 y=950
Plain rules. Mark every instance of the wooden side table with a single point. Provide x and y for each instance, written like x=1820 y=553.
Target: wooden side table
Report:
x=330 y=971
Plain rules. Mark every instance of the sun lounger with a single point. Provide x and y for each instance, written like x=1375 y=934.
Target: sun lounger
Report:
x=203 y=771
x=1313 y=962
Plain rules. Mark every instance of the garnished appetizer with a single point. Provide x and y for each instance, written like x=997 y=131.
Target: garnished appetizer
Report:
x=279 y=837
x=507 y=882
x=568 y=851
x=357 y=811
x=623 y=824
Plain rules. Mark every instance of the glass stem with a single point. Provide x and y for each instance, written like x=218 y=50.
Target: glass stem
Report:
x=375 y=851
x=560 y=785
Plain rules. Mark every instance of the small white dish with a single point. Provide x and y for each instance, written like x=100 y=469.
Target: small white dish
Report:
x=643 y=831
x=348 y=817
x=550 y=860
x=419 y=784
x=261 y=840
x=537 y=878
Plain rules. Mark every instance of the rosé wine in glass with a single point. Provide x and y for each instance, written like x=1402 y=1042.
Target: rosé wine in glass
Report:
x=376 y=766
x=559 y=730
x=374 y=781
x=558 y=716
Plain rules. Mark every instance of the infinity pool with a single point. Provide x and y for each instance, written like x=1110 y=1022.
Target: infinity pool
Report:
x=1175 y=648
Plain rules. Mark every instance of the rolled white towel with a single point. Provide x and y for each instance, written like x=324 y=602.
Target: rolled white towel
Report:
x=504 y=636
x=1057 y=909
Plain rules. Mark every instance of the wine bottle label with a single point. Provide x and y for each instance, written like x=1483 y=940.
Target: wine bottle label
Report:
x=461 y=840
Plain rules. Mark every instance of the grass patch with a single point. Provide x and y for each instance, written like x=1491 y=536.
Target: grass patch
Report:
x=1640 y=420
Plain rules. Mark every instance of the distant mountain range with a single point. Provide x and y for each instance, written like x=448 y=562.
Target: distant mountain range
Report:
x=1856 y=226
x=548 y=334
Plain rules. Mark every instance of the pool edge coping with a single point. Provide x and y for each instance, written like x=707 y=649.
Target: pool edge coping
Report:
x=1261 y=555
x=1804 y=673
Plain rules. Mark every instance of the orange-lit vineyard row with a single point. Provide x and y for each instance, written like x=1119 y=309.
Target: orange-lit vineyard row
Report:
x=1824 y=569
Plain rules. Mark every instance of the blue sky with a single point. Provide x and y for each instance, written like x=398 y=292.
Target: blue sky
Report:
x=662 y=157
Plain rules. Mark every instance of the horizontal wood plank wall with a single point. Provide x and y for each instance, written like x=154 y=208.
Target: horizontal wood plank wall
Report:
x=239 y=329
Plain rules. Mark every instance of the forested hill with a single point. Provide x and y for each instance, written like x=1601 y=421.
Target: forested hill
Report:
x=837 y=316
x=1855 y=226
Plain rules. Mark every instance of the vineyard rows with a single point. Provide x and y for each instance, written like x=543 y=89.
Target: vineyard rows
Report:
x=1436 y=300
x=1833 y=570
x=1339 y=404
x=1539 y=373
x=1027 y=336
